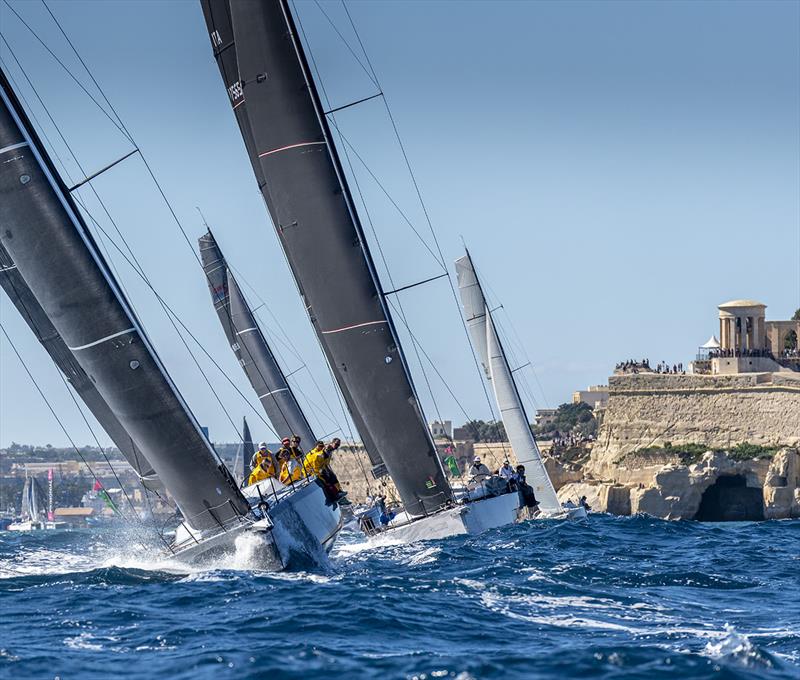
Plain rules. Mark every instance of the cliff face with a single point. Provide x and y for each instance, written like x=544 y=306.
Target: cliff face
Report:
x=637 y=464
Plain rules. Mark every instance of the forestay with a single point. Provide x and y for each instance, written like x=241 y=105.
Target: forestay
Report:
x=45 y=235
x=300 y=176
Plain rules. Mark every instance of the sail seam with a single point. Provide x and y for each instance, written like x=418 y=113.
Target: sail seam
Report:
x=246 y=330
x=101 y=340
x=289 y=146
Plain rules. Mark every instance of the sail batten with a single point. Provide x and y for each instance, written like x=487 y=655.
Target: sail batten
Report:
x=45 y=235
x=498 y=372
x=299 y=173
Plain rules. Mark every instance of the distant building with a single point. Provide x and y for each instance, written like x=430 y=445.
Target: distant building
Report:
x=442 y=430
x=462 y=434
x=545 y=416
x=596 y=396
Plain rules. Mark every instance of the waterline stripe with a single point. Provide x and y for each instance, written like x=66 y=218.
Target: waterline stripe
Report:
x=108 y=337
x=358 y=325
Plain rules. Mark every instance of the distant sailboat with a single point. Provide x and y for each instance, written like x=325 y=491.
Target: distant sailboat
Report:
x=32 y=511
x=486 y=342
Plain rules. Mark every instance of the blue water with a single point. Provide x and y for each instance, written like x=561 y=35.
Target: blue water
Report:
x=612 y=598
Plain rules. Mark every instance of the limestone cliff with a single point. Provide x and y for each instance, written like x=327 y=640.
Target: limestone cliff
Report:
x=673 y=446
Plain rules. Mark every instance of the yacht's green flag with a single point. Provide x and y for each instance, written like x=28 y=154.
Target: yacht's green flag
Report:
x=452 y=465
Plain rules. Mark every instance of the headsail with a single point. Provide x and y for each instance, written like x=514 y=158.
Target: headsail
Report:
x=47 y=239
x=299 y=173
x=490 y=352
x=250 y=346
x=248 y=449
x=33 y=314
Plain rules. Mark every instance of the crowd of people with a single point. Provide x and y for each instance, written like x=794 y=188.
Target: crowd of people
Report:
x=643 y=366
x=290 y=464
x=736 y=353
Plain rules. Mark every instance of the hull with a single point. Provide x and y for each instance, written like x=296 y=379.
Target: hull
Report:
x=26 y=526
x=472 y=518
x=298 y=530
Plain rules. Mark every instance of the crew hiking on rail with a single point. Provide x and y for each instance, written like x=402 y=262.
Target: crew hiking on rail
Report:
x=289 y=465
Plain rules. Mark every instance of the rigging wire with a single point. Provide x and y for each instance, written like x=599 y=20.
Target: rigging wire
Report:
x=119 y=127
x=170 y=313
x=399 y=305
x=440 y=258
x=166 y=201
x=137 y=266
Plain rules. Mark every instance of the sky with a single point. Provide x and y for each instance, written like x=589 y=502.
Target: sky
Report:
x=616 y=169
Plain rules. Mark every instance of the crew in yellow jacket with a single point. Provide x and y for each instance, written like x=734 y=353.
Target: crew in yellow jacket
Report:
x=317 y=459
x=264 y=470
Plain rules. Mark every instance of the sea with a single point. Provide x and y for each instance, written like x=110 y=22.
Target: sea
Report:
x=613 y=597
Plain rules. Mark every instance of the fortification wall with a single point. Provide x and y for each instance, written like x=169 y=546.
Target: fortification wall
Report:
x=718 y=411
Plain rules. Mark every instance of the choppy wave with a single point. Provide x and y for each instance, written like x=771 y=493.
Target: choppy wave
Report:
x=611 y=598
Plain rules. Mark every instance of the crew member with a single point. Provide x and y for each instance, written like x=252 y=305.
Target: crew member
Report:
x=506 y=471
x=258 y=456
x=291 y=470
x=479 y=472
x=294 y=445
x=264 y=470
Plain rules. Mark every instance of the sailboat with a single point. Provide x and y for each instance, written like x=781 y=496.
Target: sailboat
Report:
x=32 y=511
x=487 y=345
x=250 y=346
x=53 y=251
x=299 y=173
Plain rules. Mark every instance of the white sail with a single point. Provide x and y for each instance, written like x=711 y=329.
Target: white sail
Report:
x=518 y=430
x=474 y=308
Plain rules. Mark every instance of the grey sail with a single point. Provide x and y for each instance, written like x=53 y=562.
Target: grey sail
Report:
x=33 y=314
x=248 y=449
x=299 y=173
x=512 y=411
x=44 y=234
x=250 y=346
x=218 y=19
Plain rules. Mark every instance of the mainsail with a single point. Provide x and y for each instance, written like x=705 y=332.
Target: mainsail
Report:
x=33 y=314
x=45 y=235
x=490 y=352
x=250 y=346
x=300 y=176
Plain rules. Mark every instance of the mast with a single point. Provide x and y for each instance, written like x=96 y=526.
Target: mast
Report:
x=248 y=449
x=31 y=311
x=45 y=235
x=304 y=187
x=250 y=346
x=498 y=372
